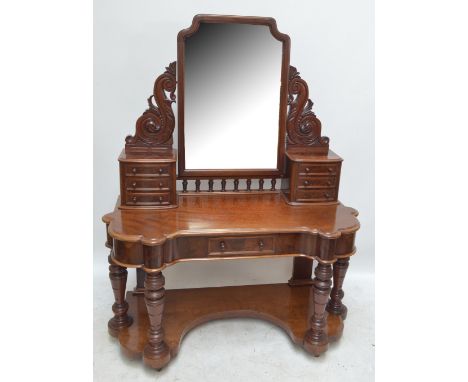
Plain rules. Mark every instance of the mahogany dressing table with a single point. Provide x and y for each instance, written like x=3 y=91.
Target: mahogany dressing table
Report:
x=283 y=203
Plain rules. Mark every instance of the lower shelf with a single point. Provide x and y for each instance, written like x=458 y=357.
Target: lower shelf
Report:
x=288 y=307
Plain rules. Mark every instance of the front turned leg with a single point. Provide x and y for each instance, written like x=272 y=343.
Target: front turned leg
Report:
x=316 y=338
x=335 y=304
x=118 y=278
x=156 y=353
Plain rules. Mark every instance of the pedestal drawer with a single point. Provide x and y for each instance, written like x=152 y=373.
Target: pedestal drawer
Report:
x=150 y=170
x=323 y=195
x=147 y=199
x=316 y=181
x=326 y=168
x=150 y=184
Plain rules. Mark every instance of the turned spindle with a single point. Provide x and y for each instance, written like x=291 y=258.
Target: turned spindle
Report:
x=184 y=185
x=210 y=185
x=197 y=185
x=316 y=338
x=223 y=185
x=260 y=184
x=156 y=353
x=249 y=184
x=335 y=305
x=236 y=184
x=273 y=184
x=118 y=278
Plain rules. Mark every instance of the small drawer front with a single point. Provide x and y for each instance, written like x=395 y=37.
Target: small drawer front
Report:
x=231 y=246
x=151 y=170
x=322 y=195
x=316 y=181
x=151 y=184
x=310 y=169
x=148 y=199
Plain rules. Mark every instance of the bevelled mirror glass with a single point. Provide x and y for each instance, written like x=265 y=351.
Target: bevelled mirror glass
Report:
x=231 y=107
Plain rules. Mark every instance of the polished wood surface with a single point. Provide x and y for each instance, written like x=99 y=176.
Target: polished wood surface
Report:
x=289 y=308
x=219 y=214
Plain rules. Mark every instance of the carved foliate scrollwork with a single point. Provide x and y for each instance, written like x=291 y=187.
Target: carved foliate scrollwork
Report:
x=155 y=127
x=302 y=126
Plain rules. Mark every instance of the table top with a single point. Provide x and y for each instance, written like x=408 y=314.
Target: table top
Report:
x=217 y=214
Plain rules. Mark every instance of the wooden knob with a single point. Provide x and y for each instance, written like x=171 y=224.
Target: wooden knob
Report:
x=327 y=195
x=134 y=199
x=330 y=169
x=261 y=244
x=134 y=170
x=161 y=170
x=329 y=183
x=307 y=169
x=160 y=199
x=161 y=184
x=134 y=184
x=306 y=182
x=222 y=245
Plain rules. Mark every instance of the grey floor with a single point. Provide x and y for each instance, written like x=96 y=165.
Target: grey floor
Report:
x=244 y=349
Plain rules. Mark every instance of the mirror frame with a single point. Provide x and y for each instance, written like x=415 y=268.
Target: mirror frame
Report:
x=283 y=106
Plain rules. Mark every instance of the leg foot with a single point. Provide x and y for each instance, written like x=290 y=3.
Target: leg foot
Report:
x=316 y=338
x=118 y=278
x=335 y=305
x=156 y=353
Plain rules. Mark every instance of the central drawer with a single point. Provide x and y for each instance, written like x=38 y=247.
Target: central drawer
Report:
x=222 y=246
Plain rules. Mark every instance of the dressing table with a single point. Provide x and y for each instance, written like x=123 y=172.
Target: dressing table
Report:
x=252 y=178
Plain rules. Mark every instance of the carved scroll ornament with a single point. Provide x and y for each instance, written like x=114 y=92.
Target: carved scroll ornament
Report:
x=302 y=126
x=155 y=127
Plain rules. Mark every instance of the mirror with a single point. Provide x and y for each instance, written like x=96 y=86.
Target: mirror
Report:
x=231 y=98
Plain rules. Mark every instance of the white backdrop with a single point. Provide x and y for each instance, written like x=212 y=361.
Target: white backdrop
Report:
x=332 y=47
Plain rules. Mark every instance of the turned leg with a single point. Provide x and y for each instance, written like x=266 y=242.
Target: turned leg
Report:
x=316 y=338
x=118 y=278
x=335 y=305
x=156 y=353
x=302 y=271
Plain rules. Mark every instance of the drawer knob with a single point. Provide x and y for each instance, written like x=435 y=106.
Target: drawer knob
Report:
x=134 y=184
x=161 y=184
x=307 y=169
x=330 y=169
x=329 y=183
x=134 y=199
x=161 y=170
x=327 y=195
x=261 y=244
x=134 y=170
x=222 y=245
x=306 y=182
x=160 y=199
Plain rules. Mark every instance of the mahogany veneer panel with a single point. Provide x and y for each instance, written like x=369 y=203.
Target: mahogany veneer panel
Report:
x=289 y=308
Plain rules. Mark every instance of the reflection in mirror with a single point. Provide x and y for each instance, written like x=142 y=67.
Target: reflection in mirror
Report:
x=232 y=81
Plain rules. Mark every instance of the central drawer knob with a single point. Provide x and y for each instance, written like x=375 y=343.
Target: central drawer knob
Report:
x=261 y=244
x=161 y=170
x=307 y=169
x=306 y=182
x=222 y=245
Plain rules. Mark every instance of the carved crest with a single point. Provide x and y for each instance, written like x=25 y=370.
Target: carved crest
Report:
x=154 y=128
x=303 y=128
